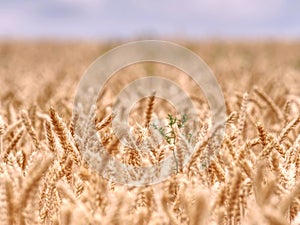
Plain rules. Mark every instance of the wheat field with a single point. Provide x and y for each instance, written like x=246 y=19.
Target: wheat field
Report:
x=254 y=179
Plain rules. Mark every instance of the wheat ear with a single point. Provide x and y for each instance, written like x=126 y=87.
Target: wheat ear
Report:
x=287 y=201
x=12 y=144
x=270 y=102
x=164 y=202
x=50 y=136
x=30 y=129
x=11 y=128
x=149 y=110
x=242 y=115
x=10 y=201
x=64 y=140
x=34 y=176
x=2 y=130
x=262 y=134
x=72 y=126
x=105 y=122
x=233 y=205
x=200 y=210
x=288 y=128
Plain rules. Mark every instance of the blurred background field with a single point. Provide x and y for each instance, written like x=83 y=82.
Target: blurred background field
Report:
x=31 y=69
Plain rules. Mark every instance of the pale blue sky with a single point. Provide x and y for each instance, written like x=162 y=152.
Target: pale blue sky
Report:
x=103 y=19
